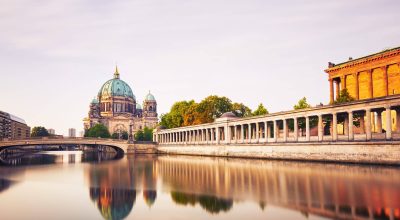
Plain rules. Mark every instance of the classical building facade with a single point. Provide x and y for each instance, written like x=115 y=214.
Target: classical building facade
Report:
x=13 y=127
x=374 y=82
x=117 y=108
x=371 y=76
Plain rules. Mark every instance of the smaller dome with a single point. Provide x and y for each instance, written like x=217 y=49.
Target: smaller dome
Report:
x=95 y=101
x=138 y=106
x=150 y=97
x=228 y=115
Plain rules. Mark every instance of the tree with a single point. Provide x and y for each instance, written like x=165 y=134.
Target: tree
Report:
x=240 y=110
x=139 y=135
x=213 y=107
x=344 y=96
x=144 y=135
x=39 y=132
x=175 y=117
x=120 y=135
x=261 y=110
x=302 y=104
x=99 y=130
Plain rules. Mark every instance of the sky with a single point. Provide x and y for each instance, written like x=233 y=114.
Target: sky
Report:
x=55 y=55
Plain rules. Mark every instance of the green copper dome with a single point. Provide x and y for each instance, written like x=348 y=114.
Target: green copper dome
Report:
x=116 y=87
x=150 y=97
x=138 y=106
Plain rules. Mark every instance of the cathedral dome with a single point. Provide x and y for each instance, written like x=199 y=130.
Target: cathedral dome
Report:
x=138 y=106
x=116 y=87
x=150 y=97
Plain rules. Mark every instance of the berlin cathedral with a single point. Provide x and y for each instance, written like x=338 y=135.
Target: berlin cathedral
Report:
x=116 y=107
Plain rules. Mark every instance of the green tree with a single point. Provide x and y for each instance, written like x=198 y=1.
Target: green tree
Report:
x=144 y=135
x=147 y=134
x=175 y=117
x=261 y=110
x=123 y=135
x=213 y=107
x=99 y=130
x=240 y=110
x=344 y=96
x=302 y=104
x=39 y=132
x=139 y=135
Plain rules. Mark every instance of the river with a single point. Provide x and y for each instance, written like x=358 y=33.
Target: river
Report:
x=77 y=185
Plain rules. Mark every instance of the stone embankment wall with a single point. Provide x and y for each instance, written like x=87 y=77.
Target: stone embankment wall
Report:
x=386 y=153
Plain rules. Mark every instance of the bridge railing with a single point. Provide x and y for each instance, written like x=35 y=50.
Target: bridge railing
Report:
x=61 y=137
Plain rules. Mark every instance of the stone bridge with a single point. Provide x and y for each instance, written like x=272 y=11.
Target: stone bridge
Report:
x=119 y=145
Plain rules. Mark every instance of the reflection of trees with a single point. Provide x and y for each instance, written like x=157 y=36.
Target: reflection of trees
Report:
x=211 y=204
x=113 y=203
x=5 y=184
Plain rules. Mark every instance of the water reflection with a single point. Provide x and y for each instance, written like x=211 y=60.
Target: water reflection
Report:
x=329 y=190
x=123 y=188
x=46 y=158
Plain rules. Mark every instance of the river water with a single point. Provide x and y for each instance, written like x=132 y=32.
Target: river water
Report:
x=76 y=185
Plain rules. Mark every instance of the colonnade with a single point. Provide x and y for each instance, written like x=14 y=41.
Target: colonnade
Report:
x=357 y=121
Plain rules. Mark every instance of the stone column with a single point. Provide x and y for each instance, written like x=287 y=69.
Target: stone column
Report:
x=276 y=132
x=241 y=133
x=236 y=133
x=397 y=120
x=331 y=91
x=388 y=123
x=296 y=129
x=385 y=80
x=334 y=126
x=285 y=130
x=379 y=121
x=217 y=135
x=207 y=136
x=212 y=135
x=368 y=124
x=257 y=132
x=356 y=86
x=351 y=134
x=266 y=132
x=337 y=89
x=249 y=134
x=227 y=134
x=307 y=128
x=320 y=128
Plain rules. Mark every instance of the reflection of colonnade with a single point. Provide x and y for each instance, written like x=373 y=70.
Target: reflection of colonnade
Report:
x=363 y=120
x=335 y=191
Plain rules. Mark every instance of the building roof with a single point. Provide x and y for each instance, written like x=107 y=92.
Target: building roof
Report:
x=116 y=87
x=368 y=56
x=17 y=119
x=150 y=97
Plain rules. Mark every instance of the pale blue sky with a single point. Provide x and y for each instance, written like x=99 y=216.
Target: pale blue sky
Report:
x=55 y=55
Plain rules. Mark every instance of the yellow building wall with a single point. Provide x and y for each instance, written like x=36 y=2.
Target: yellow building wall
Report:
x=378 y=83
x=351 y=85
x=394 y=79
x=364 y=85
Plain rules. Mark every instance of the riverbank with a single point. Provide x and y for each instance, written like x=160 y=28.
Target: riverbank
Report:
x=384 y=153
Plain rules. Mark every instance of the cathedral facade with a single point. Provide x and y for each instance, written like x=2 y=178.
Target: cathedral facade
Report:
x=117 y=108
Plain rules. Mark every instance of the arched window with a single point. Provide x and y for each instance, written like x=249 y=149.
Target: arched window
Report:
x=151 y=108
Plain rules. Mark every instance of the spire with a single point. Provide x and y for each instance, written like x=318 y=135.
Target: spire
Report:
x=116 y=73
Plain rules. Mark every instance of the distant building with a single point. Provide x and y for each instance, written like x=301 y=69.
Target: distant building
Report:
x=51 y=131
x=117 y=108
x=72 y=132
x=13 y=127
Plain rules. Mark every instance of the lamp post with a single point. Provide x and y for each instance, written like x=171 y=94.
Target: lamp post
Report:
x=131 y=139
